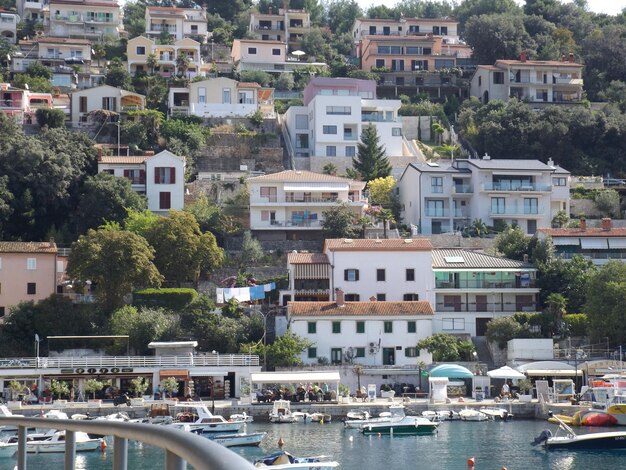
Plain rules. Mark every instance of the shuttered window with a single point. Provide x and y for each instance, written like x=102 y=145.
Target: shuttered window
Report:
x=350 y=274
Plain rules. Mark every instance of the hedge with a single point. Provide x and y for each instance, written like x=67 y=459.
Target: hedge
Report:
x=173 y=299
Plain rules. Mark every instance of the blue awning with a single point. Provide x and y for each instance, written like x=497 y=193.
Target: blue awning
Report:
x=451 y=371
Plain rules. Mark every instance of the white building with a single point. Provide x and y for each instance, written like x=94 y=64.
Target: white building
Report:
x=140 y=48
x=267 y=55
x=367 y=333
x=93 y=19
x=8 y=25
x=328 y=127
x=447 y=196
x=535 y=81
x=290 y=203
x=178 y=22
x=473 y=288
x=287 y=26
x=104 y=97
x=160 y=177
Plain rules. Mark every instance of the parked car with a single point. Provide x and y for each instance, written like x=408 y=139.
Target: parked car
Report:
x=614 y=182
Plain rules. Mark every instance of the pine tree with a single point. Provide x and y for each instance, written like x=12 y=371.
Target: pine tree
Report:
x=371 y=162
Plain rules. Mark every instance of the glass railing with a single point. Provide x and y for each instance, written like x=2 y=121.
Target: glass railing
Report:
x=516 y=186
x=463 y=188
x=486 y=307
x=516 y=211
x=436 y=212
x=477 y=284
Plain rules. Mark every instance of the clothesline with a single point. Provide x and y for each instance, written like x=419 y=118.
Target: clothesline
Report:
x=243 y=294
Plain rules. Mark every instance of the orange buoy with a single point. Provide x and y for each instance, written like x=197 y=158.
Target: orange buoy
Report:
x=103 y=445
x=471 y=462
x=281 y=442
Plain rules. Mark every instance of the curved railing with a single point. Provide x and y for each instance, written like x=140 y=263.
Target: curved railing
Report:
x=180 y=447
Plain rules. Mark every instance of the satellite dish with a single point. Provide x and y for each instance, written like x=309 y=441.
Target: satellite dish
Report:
x=36 y=337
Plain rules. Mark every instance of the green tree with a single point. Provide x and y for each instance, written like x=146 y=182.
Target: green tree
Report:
x=284 y=352
x=284 y=82
x=50 y=118
x=257 y=76
x=513 y=243
x=92 y=386
x=169 y=386
x=560 y=220
x=182 y=64
x=371 y=161
x=138 y=386
x=152 y=62
x=329 y=169
x=117 y=75
x=503 y=329
x=337 y=221
x=474 y=8
x=615 y=93
x=380 y=190
x=478 y=228
x=251 y=251
x=37 y=69
x=135 y=18
x=569 y=278
x=606 y=297
x=140 y=222
x=99 y=51
x=34 y=84
x=116 y=261
x=143 y=326
x=342 y=14
x=608 y=203
x=556 y=308
x=443 y=347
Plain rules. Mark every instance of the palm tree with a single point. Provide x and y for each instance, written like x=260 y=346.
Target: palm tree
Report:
x=385 y=216
x=152 y=62
x=479 y=228
x=330 y=169
x=182 y=64
x=99 y=51
x=439 y=130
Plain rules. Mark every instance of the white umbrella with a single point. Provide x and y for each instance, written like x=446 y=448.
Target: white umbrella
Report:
x=505 y=373
x=298 y=52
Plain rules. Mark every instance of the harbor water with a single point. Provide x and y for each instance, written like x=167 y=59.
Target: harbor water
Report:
x=493 y=444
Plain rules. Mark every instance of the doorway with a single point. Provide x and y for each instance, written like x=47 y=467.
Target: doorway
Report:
x=389 y=356
x=481 y=326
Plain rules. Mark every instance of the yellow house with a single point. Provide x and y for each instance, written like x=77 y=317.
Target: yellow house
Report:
x=139 y=48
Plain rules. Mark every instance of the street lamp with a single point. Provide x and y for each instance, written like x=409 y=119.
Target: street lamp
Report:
x=37 y=341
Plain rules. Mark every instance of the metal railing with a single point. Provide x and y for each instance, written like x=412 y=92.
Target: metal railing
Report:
x=485 y=307
x=180 y=447
x=476 y=284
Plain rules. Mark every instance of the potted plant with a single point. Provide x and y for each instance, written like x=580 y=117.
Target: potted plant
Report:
x=169 y=386
x=15 y=387
x=138 y=387
x=525 y=386
x=386 y=391
x=344 y=393
x=92 y=386
x=59 y=390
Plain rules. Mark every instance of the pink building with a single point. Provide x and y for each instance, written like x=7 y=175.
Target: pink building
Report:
x=22 y=105
x=28 y=271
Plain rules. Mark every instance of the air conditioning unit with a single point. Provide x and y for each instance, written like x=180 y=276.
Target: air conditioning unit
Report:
x=372 y=350
x=372 y=345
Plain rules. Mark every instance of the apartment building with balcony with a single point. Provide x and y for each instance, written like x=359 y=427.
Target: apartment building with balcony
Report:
x=446 y=28
x=93 y=19
x=22 y=105
x=447 y=196
x=106 y=98
x=221 y=98
x=139 y=48
x=8 y=25
x=539 y=82
x=160 y=177
x=31 y=9
x=473 y=288
x=328 y=127
x=287 y=26
x=180 y=23
x=289 y=204
x=267 y=55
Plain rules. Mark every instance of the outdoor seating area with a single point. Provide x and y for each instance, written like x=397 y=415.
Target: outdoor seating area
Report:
x=301 y=394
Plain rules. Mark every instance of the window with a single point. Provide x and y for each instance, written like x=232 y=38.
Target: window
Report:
x=453 y=324
x=531 y=205
x=31 y=288
x=559 y=181
x=226 y=96
x=312 y=353
x=381 y=297
x=31 y=264
x=329 y=129
x=434 y=208
x=388 y=327
x=352 y=297
x=380 y=275
x=410 y=274
x=410 y=297
x=383 y=49
x=331 y=151
x=498 y=205
x=411 y=327
x=141 y=50
x=360 y=327
x=436 y=30
x=252 y=50
x=436 y=184
x=201 y=94
x=269 y=193
x=498 y=78
x=336 y=327
x=444 y=30
x=341 y=110
x=301 y=121
x=350 y=274
x=480 y=81
x=164 y=175
x=275 y=51
x=359 y=352
x=82 y=104
x=396 y=131
x=109 y=103
x=165 y=200
x=194 y=29
x=350 y=151
x=312 y=327
x=380 y=63
x=410 y=352
x=302 y=141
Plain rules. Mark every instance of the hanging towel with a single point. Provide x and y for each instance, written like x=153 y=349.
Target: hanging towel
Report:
x=257 y=293
x=219 y=295
x=273 y=284
x=267 y=287
x=228 y=294
x=241 y=294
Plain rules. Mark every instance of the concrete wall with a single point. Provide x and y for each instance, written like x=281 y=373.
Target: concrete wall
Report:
x=410 y=127
x=532 y=349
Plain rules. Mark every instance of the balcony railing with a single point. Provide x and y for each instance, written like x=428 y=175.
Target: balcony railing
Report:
x=516 y=186
x=312 y=292
x=518 y=211
x=497 y=307
x=460 y=213
x=436 y=212
x=11 y=104
x=473 y=284
x=289 y=223
x=163 y=27
x=462 y=189
x=375 y=118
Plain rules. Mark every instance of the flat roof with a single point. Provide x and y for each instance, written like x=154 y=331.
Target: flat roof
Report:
x=294 y=377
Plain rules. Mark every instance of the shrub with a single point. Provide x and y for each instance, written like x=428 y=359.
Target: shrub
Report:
x=50 y=117
x=173 y=299
x=501 y=330
x=577 y=324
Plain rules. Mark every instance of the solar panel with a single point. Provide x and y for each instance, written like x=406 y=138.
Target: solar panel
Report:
x=454 y=259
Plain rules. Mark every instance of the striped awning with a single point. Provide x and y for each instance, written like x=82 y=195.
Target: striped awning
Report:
x=176 y=373
x=312 y=271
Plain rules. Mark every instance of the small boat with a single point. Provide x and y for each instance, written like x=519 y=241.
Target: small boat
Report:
x=358 y=415
x=408 y=425
x=570 y=440
x=281 y=412
x=198 y=417
x=284 y=460
x=441 y=415
x=590 y=417
x=469 y=414
x=395 y=412
x=5 y=412
x=7 y=449
x=240 y=439
x=56 y=443
x=245 y=417
x=496 y=413
x=318 y=418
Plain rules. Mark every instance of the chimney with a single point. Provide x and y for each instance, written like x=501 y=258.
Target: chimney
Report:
x=373 y=298
x=148 y=153
x=606 y=223
x=550 y=162
x=583 y=224
x=571 y=57
x=51 y=242
x=486 y=156
x=339 y=295
x=523 y=56
x=99 y=154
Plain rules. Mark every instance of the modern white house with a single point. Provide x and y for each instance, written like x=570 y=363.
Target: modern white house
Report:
x=221 y=97
x=328 y=127
x=598 y=244
x=473 y=288
x=289 y=204
x=8 y=25
x=446 y=196
x=93 y=19
x=104 y=97
x=160 y=177
x=539 y=82
x=178 y=22
x=367 y=333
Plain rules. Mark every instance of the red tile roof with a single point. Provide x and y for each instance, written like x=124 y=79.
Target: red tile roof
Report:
x=551 y=63
x=28 y=247
x=307 y=258
x=124 y=160
x=589 y=232
x=359 y=244
x=301 y=176
x=389 y=309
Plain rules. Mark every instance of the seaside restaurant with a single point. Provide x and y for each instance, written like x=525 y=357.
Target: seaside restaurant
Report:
x=290 y=380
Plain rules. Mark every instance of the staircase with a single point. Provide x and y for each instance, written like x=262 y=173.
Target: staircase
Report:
x=480 y=343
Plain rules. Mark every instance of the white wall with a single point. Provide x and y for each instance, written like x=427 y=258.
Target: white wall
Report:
x=535 y=349
x=177 y=190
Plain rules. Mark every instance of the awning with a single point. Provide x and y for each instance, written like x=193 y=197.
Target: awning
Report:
x=381 y=371
x=311 y=271
x=565 y=241
x=176 y=373
x=451 y=371
x=315 y=187
x=594 y=243
x=212 y=373
x=294 y=377
x=553 y=372
x=617 y=242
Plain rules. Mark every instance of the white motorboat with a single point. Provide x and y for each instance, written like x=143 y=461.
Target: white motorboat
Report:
x=317 y=418
x=572 y=441
x=56 y=443
x=358 y=415
x=281 y=412
x=198 y=417
x=469 y=414
x=441 y=415
x=5 y=412
x=284 y=460
x=395 y=412
x=496 y=413
x=407 y=425
x=245 y=417
x=240 y=439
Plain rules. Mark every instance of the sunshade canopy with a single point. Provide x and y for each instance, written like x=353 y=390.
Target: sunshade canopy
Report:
x=452 y=371
x=505 y=372
x=294 y=377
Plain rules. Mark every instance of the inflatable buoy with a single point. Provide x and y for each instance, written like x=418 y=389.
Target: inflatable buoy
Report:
x=471 y=462
x=115 y=370
x=103 y=445
x=80 y=371
x=281 y=442
x=104 y=370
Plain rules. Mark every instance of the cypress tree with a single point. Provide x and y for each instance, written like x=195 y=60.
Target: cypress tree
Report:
x=371 y=162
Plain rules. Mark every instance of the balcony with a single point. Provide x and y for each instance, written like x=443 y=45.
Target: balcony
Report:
x=462 y=189
x=487 y=307
x=312 y=292
x=518 y=283
x=287 y=224
x=437 y=212
x=11 y=104
x=376 y=118
x=516 y=211
x=163 y=27
x=69 y=18
x=510 y=186
x=460 y=213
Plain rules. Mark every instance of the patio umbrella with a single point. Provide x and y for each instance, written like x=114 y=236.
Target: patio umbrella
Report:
x=298 y=53
x=505 y=372
x=451 y=371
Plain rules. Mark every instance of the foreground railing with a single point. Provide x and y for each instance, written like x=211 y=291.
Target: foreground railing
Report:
x=180 y=447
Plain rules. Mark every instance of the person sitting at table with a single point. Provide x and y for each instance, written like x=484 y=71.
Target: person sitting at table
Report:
x=506 y=391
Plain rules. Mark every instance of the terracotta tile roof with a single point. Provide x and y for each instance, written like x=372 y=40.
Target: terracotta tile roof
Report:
x=259 y=41
x=306 y=258
x=124 y=160
x=551 y=63
x=28 y=247
x=387 y=309
x=55 y=40
x=301 y=176
x=451 y=258
x=359 y=244
x=589 y=232
x=248 y=85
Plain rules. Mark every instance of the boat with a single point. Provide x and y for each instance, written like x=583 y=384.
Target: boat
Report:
x=358 y=415
x=284 y=460
x=281 y=412
x=496 y=413
x=198 y=417
x=591 y=417
x=239 y=439
x=5 y=412
x=469 y=414
x=408 y=425
x=317 y=418
x=395 y=412
x=56 y=443
x=568 y=439
x=245 y=417
x=7 y=449
x=441 y=415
